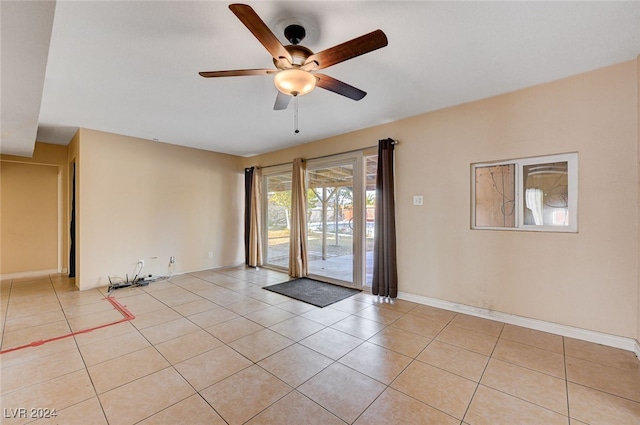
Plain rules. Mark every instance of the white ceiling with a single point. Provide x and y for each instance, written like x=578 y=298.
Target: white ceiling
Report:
x=131 y=67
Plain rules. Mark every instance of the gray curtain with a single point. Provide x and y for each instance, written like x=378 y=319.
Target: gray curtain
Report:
x=385 y=269
x=298 y=263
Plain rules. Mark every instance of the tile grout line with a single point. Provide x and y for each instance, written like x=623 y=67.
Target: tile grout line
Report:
x=294 y=343
x=95 y=394
x=534 y=370
x=482 y=374
x=170 y=365
x=566 y=377
x=86 y=367
x=127 y=317
x=252 y=362
x=198 y=392
x=413 y=359
x=6 y=313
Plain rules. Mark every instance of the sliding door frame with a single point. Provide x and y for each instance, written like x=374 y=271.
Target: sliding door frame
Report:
x=266 y=173
x=356 y=160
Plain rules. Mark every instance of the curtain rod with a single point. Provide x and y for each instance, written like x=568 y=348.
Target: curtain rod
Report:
x=394 y=142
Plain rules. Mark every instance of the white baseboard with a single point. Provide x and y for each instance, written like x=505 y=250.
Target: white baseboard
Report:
x=615 y=341
x=34 y=274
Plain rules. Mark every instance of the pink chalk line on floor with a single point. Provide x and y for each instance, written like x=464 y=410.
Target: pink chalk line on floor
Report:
x=122 y=309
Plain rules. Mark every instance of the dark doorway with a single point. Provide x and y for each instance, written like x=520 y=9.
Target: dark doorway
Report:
x=72 y=225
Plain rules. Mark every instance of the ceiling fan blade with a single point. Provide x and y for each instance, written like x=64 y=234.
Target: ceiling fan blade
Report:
x=282 y=101
x=260 y=30
x=237 y=73
x=349 y=49
x=337 y=86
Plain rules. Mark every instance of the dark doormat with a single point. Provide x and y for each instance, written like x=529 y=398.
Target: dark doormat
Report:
x=320 y=294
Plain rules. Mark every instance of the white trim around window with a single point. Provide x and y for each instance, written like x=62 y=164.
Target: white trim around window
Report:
x=526 y=194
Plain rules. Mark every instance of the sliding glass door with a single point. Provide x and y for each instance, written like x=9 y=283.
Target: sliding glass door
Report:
x=276 y=215
x=334 y=215
x=340 y=217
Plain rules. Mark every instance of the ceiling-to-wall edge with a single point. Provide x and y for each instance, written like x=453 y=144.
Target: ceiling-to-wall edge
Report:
x=361 y=138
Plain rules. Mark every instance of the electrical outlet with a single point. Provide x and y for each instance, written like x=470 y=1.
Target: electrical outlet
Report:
x=418 y=200
x=172 y=260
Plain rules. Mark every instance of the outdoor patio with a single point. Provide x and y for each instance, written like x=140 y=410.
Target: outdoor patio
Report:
x=338 y=263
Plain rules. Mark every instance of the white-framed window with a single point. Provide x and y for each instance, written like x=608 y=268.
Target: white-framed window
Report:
x=535 y=194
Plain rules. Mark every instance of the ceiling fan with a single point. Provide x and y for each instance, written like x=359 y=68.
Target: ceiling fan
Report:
x=295 y=63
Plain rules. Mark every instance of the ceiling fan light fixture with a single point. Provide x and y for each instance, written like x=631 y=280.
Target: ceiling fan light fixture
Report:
x=294 y=82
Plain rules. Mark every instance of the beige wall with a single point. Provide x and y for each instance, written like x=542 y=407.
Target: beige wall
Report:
x=33 y=195
x=140 y=199
x=587 y=280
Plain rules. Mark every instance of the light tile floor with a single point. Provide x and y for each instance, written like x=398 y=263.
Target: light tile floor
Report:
x=213 y=347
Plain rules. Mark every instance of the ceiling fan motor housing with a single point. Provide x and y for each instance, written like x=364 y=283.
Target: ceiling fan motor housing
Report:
x=299 y=54
x=294 y=33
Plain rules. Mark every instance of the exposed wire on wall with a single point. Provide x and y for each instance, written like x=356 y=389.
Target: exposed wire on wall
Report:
x=117 y=282
x=507 y=207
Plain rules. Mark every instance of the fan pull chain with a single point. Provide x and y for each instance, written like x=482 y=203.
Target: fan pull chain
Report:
x=295 y=114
